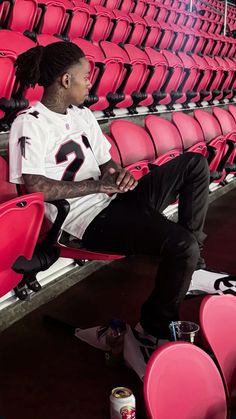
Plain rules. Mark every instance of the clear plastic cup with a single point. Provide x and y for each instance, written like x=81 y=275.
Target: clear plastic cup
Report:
x=184 y=330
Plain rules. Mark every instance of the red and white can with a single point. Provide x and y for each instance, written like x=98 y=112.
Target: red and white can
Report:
x=122 y=403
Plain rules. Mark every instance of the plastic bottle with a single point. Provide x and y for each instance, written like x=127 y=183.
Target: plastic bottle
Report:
x=115 y=342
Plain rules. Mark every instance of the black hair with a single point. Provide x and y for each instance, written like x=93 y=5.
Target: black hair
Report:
x=43 y=65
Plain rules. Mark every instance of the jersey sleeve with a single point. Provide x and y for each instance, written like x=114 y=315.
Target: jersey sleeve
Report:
x=99 y=143
x=27 y=148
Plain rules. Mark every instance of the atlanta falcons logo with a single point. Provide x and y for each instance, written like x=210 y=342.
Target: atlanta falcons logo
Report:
x=23 y=141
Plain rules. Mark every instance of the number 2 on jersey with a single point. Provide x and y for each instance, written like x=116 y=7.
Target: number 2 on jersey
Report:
x=75 y=165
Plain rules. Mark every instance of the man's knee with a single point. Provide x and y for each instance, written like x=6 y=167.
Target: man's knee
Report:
x=184 y=246
x=199 y=161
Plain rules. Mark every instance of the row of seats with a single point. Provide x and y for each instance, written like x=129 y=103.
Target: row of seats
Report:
x=210 y=134
x=134 y=147
x=127 y=77
x=57 y=17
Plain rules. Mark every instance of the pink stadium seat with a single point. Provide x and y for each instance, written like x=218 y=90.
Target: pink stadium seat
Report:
x=194 y=140
x=138 y=31
x=232 y=110
x=189 y=80
x=107 y=62
x=214 y=138
x=21 y=219
x=153 y=33
x=4 y=10
x=121 y=27
x=114 y=151
x=135 y=146
x=182 y=381
x=138 y=71
x=166 y=138
x=127 y=6
x=53 y=16
x=169 y=91
x=158 y=73
x=21 y=222
x=19 y=21
x=11 y=45
x=228 y=129
x=102 y=26
x=217 y=321
x=80 y=21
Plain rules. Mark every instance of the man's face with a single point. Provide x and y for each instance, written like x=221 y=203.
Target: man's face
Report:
x=79 y=83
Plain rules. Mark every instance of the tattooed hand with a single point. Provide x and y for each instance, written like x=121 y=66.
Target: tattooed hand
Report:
x=114 y=181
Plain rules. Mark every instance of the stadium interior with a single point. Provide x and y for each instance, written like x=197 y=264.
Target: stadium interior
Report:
x=163 y=76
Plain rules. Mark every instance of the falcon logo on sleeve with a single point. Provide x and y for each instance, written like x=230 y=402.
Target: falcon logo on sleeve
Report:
x=23 y=141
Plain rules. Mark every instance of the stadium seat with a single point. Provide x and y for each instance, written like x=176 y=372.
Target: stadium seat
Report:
x=108 y=66
x=21 y=219
x=166 y=138
x=158 y=73
x=11 y=45
x=232 y=110
x=80 y=21
x=228 y=129
x=214 y=138
x=217 y=322
x=194 y=140
x=168 y=93
x=138 y=71
x=182 y=381
x=21 y=22
x=135 y=146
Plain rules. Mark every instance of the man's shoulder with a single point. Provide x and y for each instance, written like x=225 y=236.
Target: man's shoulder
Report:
x=31 y=113
x=82 y=112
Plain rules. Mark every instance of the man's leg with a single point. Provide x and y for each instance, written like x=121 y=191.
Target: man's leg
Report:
x=132 y=224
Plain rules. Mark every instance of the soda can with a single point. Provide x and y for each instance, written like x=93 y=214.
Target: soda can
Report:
x=122 y=403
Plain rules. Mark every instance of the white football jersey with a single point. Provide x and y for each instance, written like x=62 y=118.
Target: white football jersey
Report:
x=62 y=147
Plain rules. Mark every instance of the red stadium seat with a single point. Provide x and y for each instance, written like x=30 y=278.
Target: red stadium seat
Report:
x=21 y=219
x=135 y=146
x=121 y=27
x=217 y=321
x=158 y=74
x=19 y=21
x=137 y=63
x=214 y=138
x=194 y=140
x=232 y=110
x=166 y=138
x=114 y=151
x=80 y=21
x=11 y=45
x=182 y=381
x=228 y=129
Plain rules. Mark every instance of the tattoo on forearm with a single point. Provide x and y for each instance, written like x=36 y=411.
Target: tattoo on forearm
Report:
x=59 y=189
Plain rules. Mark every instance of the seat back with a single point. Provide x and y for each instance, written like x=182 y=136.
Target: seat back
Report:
x=182 y=381
x=232 y=110
x=19 y=21
x=226 y=120
x=166 y=138
x=217 y=321
x=20 y=220
x=135 y=146
x=191 y=133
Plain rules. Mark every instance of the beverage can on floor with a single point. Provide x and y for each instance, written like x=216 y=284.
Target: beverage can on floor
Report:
x=122 y=403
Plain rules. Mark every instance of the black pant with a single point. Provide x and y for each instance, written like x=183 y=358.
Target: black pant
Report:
x=133 y=224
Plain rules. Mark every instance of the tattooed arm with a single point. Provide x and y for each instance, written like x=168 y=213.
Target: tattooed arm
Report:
x=61 y=189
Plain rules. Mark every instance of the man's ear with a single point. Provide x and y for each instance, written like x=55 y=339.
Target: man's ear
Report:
x=66 y=80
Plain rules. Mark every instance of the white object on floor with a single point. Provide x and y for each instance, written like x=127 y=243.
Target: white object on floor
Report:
x=212 y=283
